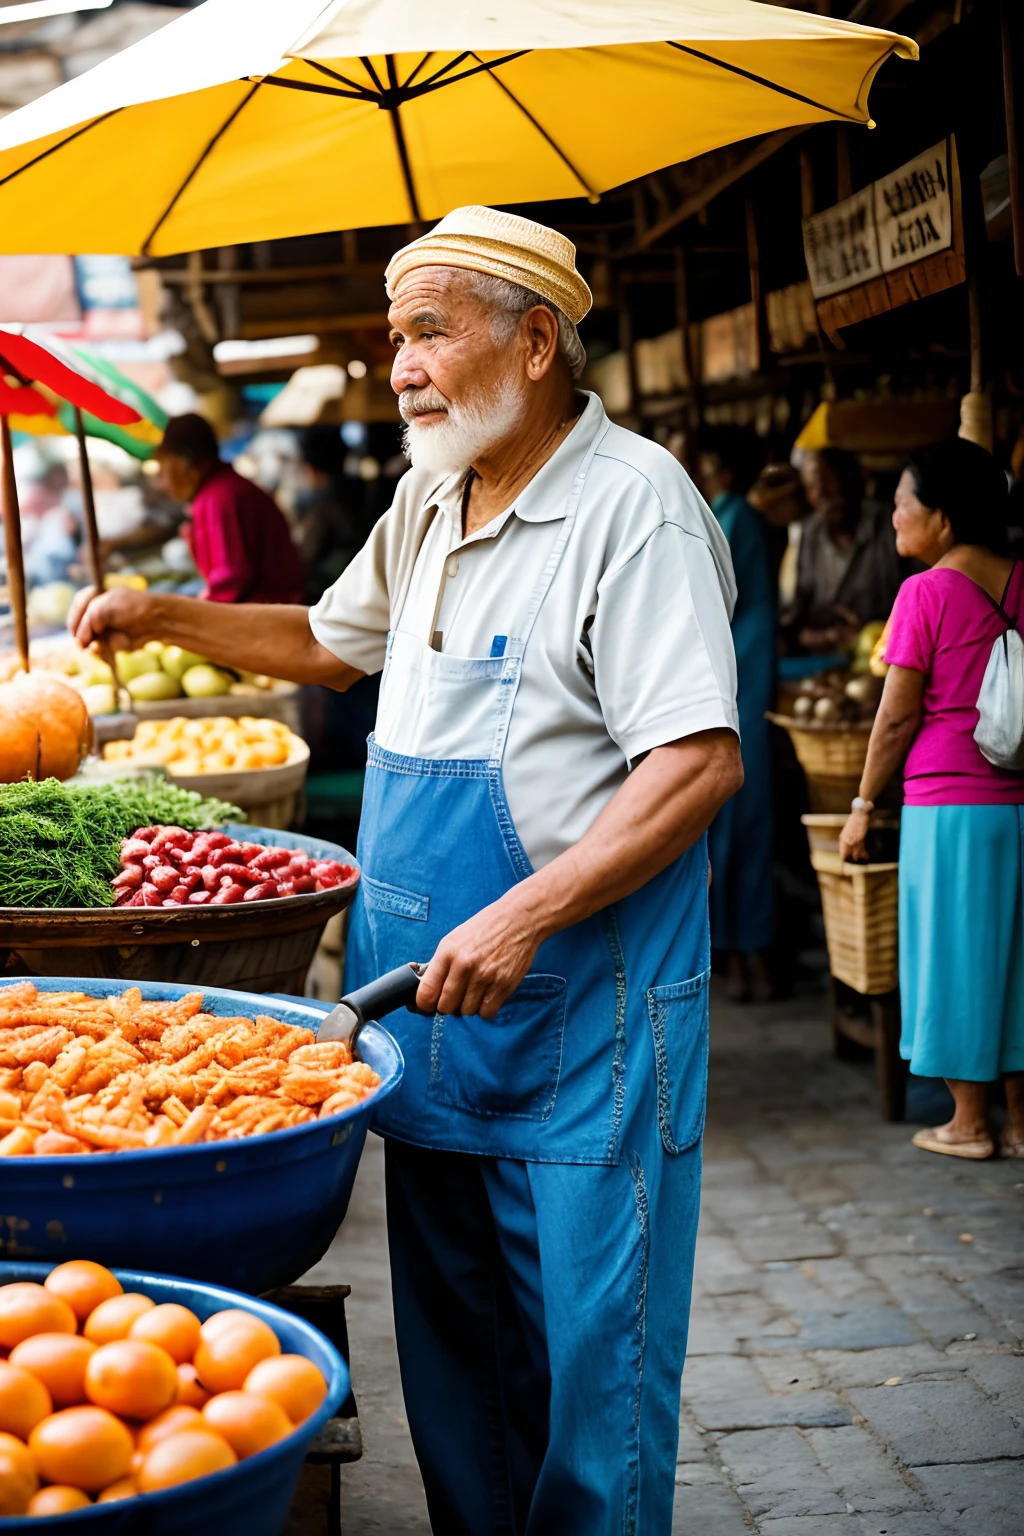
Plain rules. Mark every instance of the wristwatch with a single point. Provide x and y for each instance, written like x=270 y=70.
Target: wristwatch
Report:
x=859 y=804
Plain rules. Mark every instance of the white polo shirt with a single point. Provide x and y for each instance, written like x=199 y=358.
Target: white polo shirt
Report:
x=631 y=648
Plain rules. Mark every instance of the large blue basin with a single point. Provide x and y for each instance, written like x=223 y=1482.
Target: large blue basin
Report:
x=253 y=1213
x=250 y=1499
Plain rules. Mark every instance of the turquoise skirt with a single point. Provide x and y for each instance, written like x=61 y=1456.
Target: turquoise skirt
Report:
x=962 y=940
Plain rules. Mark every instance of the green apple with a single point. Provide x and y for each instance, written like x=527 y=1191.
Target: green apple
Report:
x=154 y=647
x=135 y=664
x=150 y=687
x=206 y=682
x=177 y=662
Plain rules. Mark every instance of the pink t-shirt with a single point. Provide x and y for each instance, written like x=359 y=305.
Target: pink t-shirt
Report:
x=944 y=626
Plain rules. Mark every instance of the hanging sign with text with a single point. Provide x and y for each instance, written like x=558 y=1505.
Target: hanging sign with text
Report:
x=901 y=218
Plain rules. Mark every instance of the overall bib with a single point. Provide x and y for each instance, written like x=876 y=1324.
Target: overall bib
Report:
x=543 y=1166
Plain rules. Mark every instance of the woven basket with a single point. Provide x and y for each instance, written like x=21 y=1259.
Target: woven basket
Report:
x=859 y=903
x=832 y=758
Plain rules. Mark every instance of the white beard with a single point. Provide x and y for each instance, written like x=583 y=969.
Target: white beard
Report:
x=468 y=431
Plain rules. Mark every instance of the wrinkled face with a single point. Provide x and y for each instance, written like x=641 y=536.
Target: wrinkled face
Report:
x=179 y=477
x=461 y=388
x=922 y=533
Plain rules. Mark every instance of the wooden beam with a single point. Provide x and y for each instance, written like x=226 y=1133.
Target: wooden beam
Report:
x=759 y=151
x=181 y=277
x=301 y=325
x=1013 y=69
x=918 y=281
x=12 y=542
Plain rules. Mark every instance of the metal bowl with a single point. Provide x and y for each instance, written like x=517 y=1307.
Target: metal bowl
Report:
x=250 y=1499
x=254 y=1213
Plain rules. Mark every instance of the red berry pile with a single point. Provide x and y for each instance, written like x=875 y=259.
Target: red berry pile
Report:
x=169 y=867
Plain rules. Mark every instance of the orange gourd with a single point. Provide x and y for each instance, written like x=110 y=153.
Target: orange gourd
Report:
x=45 y=729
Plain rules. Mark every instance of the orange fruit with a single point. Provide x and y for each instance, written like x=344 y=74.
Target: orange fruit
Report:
x=113 y=1317
x=18 y=1477
x=224 y=1361
x=131 y=1378
x=23 y=1400
x=174 y=1328
x=248 y=1422
x=291 y=1380
x=218 y=1321
x=57 y=1499
x=59 y=1361
x=172 y=1421
x=86 y=1447
x=124 y=1488
x=26 y=1309
x=191 y=1391
x=180 y=1458
x=83 y=1285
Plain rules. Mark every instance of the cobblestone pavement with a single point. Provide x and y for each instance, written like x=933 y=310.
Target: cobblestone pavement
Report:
x=856 y=1363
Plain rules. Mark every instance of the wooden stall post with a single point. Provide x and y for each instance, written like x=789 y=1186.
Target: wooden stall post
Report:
x=92 y=537
x=12 y=543
x=1013 y=67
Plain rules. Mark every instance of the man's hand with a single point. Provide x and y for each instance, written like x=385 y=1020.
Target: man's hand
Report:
x=122 y=618
x=478 y=965
x=664 y=806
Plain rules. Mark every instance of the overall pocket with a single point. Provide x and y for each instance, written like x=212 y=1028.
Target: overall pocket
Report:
x=679 y=1019
x=508 y=1066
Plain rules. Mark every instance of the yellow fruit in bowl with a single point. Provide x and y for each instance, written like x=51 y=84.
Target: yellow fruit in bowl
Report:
x=177 y=661
x=152 y=687
x=205 y=681
x=132 y=664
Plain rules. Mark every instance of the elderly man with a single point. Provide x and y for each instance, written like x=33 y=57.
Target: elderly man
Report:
x=549 y=599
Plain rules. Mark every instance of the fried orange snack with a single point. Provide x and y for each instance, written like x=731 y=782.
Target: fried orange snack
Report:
x=83 y=1074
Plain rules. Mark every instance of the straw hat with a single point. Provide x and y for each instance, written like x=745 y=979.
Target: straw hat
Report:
x=502 y=245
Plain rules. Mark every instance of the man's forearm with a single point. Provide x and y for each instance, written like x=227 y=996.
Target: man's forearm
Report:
x=273 y=638
x=664 y=806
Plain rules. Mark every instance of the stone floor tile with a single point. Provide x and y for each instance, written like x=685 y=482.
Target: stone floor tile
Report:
x=841 y=1368
x=811 y=1525
x=788 y=1371
x=785 y=1237
x=983 y=1500
x=709 y=1511
x=771 y=1409
x=708 y=1378
x=776 y=1474
x=1001 y=1377
x=861 y=1471
x=908 y=1523
x=846 y=1328
x=924 y=1423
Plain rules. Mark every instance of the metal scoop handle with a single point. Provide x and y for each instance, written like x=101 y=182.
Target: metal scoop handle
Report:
x=395 y=990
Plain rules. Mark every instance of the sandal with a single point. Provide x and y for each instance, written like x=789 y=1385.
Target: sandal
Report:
x=929 y=1139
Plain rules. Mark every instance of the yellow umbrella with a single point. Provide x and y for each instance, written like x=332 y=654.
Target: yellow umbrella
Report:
x=257 y=119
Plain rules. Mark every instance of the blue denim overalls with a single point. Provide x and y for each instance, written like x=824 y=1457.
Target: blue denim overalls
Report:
x=542 y=1245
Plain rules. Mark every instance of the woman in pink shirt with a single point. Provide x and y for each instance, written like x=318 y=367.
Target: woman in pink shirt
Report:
x=239 y=538
x=961 y=901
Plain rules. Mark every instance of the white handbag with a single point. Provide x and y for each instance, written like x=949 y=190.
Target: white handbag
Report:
x=1000 y=729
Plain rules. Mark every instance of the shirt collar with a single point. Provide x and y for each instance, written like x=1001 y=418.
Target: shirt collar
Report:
x=546 y=497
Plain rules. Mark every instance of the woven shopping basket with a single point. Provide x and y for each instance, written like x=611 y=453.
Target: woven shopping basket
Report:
x=859 y=903
x=832 y=758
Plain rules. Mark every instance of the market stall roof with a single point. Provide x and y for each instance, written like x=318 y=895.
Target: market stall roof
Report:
x=249 y=120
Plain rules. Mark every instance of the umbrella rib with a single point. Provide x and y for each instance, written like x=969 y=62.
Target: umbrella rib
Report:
x=225 y=125
x=54 y=147
x=332 y=74
x=746 y=74
x=400 y=145
x=367 y=64
x=322 y=90
x=588 y=189
x=436 y=83
x=410 y=78
x=426 y=84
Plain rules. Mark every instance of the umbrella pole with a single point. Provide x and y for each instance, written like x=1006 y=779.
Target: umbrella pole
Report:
x=12 y=542
x=92 y=537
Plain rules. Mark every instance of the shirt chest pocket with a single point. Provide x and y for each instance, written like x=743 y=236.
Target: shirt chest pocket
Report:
x=679 y=1018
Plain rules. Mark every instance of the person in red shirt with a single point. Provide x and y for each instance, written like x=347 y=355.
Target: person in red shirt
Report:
x=239 y=537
